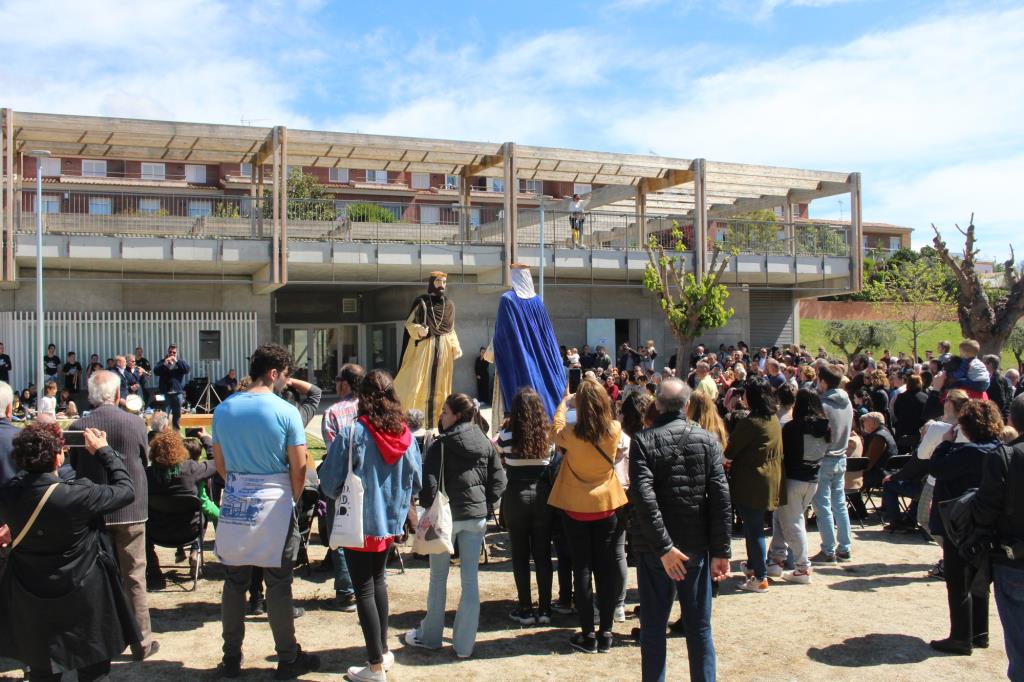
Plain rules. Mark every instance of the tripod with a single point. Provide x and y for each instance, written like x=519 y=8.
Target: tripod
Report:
x=205 y=401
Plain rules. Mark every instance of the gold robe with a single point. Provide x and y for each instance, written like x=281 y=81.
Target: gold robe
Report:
x=424 y=380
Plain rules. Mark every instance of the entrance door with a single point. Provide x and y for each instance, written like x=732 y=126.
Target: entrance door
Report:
x=320 y=351
x=383 y=341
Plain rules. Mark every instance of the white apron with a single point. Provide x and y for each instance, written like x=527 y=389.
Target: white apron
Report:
x=255 y=512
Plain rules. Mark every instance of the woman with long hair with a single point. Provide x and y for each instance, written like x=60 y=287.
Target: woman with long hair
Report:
x=525 y=447
x=755 y=476
x=957 y=468
x=62 y=606
x=465 y=465
x=385 y=456
x=702 y=409
x=805 y=440
x=632 y=412
x=590 y=492
x=173 y=472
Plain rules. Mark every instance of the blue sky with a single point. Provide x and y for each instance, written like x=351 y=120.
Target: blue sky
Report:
x=926 y=99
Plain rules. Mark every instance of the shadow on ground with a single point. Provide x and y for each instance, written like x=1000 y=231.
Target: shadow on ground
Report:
x=871 y=650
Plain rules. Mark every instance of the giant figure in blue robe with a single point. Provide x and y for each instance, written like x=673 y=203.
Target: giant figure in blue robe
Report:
x=524 y=346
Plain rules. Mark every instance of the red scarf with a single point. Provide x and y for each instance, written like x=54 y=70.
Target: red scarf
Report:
x=391 y=446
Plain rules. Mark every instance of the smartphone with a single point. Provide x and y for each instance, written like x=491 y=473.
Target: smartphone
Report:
x=74 y=439
x=575 y=377
x=192 y=431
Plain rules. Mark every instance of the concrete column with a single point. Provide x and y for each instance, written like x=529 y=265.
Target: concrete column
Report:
x=700 y=218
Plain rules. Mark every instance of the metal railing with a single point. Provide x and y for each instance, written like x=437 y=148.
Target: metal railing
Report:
x=237 y=216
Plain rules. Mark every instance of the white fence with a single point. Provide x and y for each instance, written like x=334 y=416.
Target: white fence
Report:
x=110 y=334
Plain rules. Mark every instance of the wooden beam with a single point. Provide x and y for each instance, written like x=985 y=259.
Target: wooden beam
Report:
x=672 y=178
x=10 y=273
x=787 y=222
x=465 y=202
x=511 y=210
x=487 y=162
x=275 y=228
x=700 y=218
x=640 y=203
x=284 y=206
x=856 y=232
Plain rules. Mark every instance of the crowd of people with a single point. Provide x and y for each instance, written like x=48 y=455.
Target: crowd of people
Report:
x=641 y=466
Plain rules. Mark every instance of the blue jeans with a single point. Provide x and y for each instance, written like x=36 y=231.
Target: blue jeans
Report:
x=892 y=491
x=830 y=505
x=342 y=580
x=1009 y=589
x=694 y=593
x=753 y=531
x=173 y=407
x=469 y=535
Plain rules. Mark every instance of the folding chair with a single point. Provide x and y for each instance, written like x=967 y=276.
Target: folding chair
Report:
x=855 y=465
x=177 y=521
x=895 y=463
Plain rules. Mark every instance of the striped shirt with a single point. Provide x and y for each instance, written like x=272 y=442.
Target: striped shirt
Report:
x=339 y=416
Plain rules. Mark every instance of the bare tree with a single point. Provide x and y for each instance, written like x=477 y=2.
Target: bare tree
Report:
x=987 y=321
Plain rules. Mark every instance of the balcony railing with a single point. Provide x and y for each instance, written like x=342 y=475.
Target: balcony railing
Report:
x=113 y=213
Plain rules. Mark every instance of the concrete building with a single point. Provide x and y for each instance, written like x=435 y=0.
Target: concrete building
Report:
x=158 y=232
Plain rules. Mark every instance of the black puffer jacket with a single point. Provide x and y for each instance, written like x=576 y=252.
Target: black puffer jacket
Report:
x=473 y=475
x=678 y=489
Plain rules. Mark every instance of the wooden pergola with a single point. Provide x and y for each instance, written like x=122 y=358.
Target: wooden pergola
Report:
x=695 y=189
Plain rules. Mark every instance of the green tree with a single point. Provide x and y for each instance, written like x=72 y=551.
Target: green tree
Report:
x=1015 y=342
x=691 y=306
x=754 y=232
x=307 y=199
x=987 y=321
x=913 y=289
x=853 y=337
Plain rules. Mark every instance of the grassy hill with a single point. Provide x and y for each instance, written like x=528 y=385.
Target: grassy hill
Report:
x=812 y=335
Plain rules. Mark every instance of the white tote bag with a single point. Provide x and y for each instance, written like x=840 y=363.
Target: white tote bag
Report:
x=347 y=529
x=434 y=530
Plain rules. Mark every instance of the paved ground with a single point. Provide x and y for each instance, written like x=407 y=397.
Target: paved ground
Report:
x=868 y=620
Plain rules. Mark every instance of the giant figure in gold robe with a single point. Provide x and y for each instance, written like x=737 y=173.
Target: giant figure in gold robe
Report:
x=425 y=377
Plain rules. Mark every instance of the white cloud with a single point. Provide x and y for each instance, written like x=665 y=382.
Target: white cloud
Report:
x=188 y=60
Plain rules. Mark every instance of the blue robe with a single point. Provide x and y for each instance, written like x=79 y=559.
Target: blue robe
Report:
x=526 y=352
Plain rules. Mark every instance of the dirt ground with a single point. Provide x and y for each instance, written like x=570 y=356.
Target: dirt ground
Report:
x=870 y=619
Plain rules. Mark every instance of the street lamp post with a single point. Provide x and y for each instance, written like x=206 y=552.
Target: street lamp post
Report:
x=39 y=155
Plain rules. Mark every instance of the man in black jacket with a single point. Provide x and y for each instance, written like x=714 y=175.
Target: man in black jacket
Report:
x=999 y=390
x=997 y=506
x=172 y=372
x=682 y=527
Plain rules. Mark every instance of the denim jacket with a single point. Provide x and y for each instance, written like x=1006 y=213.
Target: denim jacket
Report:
x=387 y=489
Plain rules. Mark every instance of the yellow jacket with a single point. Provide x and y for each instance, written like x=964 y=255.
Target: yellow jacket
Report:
x=586 y=481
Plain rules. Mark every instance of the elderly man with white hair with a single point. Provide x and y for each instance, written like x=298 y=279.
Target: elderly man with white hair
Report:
x=126 y=434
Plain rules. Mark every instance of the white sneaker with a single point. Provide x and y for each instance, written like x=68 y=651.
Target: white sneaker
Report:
x=358 y=673
x=620 y=614
x=389 y=660
x=799 y=576
x=775 y=570
x=412 y=638
x=747 y=571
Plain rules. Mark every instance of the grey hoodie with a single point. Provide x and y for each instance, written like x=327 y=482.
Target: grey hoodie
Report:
x=840 y=420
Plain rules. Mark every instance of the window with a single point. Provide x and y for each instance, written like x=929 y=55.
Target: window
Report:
x=421 y=181
x=50 y=167
x=94 y=169
x=720 y=235
x=378 y=176
x=100 y=205
x=582 y=188
x=149 y=206
x=451 y=181
x=153 y=171
x=199 y=208
x=533 y=186
x=339 y=175
x=495 y=185
x=474 y=217
x=895 y=243
x=430 y=215
x=51 y=203
x=245 y=170
x=195 y=174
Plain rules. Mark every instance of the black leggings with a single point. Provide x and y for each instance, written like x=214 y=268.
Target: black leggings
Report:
x=968 y=614
x=529 y=529
x=370 y=583
x=593 y=546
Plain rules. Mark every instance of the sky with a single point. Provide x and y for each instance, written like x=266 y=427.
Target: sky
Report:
x=924 y=98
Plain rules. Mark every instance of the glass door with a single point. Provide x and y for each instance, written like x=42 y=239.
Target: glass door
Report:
x=319 y=352
x=383 y=340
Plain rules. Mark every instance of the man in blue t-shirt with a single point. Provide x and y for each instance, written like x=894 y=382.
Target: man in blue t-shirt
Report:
x=257 y=432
